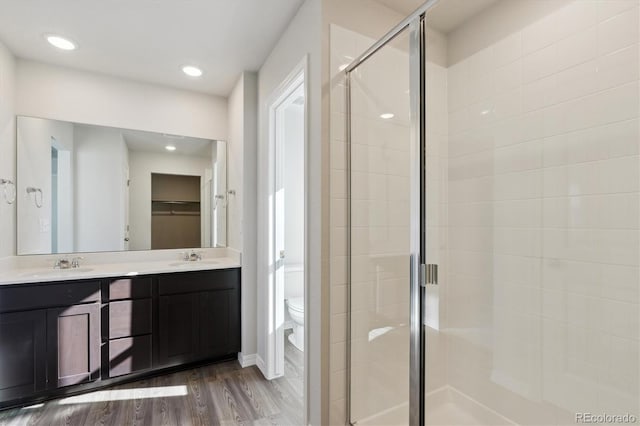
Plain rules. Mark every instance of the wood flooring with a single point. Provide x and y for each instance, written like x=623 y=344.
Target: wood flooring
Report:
x=216 y=394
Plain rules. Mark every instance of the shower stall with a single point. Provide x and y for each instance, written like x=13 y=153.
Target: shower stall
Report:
x=493 y=214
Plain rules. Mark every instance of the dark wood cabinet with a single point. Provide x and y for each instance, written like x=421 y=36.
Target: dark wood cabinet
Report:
x=177 y=329
x=129 y=355
x=96 y=332
x=23 y=352
x=73 y=335
x=219 y=329
x=199 y=316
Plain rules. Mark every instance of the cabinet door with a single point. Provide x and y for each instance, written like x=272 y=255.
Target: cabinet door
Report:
x=22 y=354
x=177 y=329
x=73 y=343
x=219 y=323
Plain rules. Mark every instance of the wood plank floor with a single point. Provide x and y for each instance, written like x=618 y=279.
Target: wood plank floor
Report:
x=216 y=394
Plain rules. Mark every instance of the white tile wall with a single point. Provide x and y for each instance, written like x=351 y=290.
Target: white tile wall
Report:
x=544 y=217
x=534 y=158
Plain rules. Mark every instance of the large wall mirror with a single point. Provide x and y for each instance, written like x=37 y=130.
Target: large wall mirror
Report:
x=86 y=188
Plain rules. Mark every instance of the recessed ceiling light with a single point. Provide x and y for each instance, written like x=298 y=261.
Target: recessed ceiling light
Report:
x=386 y=116
x=170 y=148
x=61 y=42
x=192 y=71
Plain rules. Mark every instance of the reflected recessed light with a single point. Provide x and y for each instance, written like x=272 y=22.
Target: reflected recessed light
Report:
x=170 y=148
x=192 y=71
x=387 y=116
x=61 y=42
x=485 y=112
x=343 y=67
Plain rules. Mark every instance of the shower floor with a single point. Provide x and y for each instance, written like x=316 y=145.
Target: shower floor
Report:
x=449 y=407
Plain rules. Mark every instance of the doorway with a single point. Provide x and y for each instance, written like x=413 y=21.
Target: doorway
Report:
x=287 y=354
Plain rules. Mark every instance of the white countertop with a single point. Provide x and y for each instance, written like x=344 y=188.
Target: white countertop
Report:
x=37 y=269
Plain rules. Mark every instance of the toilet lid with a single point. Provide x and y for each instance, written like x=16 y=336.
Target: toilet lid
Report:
x=296 y=303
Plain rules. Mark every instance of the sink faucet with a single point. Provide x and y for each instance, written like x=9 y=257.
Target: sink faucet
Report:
x=65 y=263
x=62 y=263
x=192 y=256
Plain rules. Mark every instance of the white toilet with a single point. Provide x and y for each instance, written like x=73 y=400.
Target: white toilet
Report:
x=296 y=311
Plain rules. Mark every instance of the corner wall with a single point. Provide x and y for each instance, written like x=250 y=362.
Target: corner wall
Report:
x=7 y=149
x=301 y=38
x=241 y=214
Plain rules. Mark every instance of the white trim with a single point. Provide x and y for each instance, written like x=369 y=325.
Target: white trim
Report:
x=247 y=360
x=262 y=366
x=275 y=340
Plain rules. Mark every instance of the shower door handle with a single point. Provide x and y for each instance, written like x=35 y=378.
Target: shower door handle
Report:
x=428 y=274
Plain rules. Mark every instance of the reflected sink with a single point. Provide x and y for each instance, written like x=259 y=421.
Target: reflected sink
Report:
x=187 y=264
x=56 y=272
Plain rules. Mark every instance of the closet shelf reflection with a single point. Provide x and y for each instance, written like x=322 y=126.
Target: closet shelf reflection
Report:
x=175 y=213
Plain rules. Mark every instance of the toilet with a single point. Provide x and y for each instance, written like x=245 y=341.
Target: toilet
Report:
x=295 y=305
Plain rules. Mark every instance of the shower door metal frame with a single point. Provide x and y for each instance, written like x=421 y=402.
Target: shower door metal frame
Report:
x=415 y=24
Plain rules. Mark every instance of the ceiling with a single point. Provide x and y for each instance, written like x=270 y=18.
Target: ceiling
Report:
x=155 y=142
x=150 y=40
x=446 y=16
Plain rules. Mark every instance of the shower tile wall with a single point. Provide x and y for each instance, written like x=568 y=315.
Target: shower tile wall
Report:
x=543 y=212
x=538 y=223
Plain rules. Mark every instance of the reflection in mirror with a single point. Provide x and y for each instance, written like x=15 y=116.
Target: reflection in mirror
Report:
x=108 y=189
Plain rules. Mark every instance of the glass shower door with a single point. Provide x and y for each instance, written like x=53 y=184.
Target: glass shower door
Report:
x=384 y=231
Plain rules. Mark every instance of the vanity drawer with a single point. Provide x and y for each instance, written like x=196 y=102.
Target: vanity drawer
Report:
x=129 y=355
x=22 y=297
x=191 y=282
x=129 y=318
x=130 y=288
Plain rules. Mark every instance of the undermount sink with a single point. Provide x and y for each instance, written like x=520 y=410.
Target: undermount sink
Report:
x=56 y=272
x=187 y=264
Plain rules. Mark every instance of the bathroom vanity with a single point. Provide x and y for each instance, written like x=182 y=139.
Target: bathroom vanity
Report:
x=68 y=334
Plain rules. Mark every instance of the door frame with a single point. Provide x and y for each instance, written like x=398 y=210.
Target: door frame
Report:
x=273 y=366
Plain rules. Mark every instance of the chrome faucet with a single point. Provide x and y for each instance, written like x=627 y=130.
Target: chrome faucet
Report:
x=65 y=263
x=62 y=263
x=192 y=256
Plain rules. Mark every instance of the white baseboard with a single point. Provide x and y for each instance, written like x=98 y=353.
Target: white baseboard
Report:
x=262 y=366
x=247 y=360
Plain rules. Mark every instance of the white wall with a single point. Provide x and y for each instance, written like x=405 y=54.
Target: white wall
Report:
x=236 y=108
x=543 y=304
x=302 y=37
x=294 y=186
x=241 y=214
x=65 y=214
x=141 y=166
x=7 y=149
x=49 y=91
x=219 y=223
x=34 y=149
x=99 y=196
